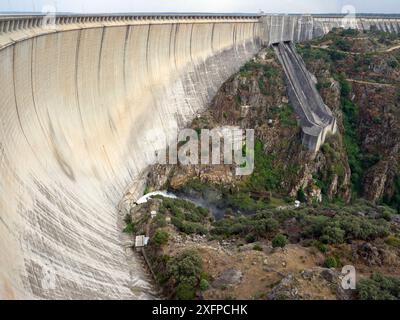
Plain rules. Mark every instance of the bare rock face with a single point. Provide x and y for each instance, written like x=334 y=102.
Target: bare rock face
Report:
x=376 y=180
x=158 y=176
x=316 y=283
x=229 y=277
x=287 y=289
x=371 y=255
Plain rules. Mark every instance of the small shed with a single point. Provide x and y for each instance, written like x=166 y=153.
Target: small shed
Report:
x=141 y=241
x=153 y=214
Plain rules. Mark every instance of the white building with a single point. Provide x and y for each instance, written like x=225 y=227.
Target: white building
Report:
x=141 y=241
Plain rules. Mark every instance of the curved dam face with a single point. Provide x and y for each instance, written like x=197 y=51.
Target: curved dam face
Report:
x=84 y=106
x=82 y=113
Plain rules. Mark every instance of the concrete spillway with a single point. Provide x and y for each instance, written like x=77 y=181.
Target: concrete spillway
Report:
x=316 y=119
x=84 y=105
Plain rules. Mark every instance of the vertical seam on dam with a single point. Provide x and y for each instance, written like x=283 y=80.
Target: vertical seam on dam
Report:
x=78 y=45
x=127 y=35
x=254 y=33
x=103 y=31
x=235 y=37
x=175 y=41
x=124 y=71
x=16 y=105
x=212 y=37
x=170 y=42
x=34 y=44
x=147 y=47
x=191 y=42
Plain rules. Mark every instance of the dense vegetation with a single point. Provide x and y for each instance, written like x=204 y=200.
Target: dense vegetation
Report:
x=186 y=216
x=351 y=138
x=379 y=287
x=332 y=224
x=185 y=271
x=327 y=223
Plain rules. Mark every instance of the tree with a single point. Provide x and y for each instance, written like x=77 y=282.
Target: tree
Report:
x=332 y=234
x=279 y=241
x=161 y=237
x=186 y=267
x=204 y=285
x=185 y=291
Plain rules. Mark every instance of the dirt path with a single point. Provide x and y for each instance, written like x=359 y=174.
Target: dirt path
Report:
x=324 y=47
x=392 y=48
x=372 y=83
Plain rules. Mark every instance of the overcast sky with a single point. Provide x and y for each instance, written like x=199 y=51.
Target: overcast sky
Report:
x=268 y=6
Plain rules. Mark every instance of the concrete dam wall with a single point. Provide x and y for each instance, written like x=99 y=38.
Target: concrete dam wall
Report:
x=85 y=103
x=83 y=110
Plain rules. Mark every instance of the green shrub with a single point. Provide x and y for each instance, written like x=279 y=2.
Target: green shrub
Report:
x=250 y=238
x=286 y=116
x=332 y=234
x=266 y=175
x=186 y=267
x=186 y=216
x=270 y=225
x=189 y=227
x=321 y=246
x=301 y=196
x=349 y=32
x=387 y=215
x=257 y=247
x=393 y=241
x=336 y=55
x=330 y=262
x=159 y=221
x=244 y=202
x=130 y=228
x=280 y=241
x=204 y=285
x=313 y=226
x=161 y=237
x=343 y=227
x=345 y=86
x=262 y=86
x=185 y=291
x=379 y=287
x=342 y=44
x=393 y=63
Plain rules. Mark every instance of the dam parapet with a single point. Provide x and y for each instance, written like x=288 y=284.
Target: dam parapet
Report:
x=276 y=28
x=300 y=28
x=19 y=28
